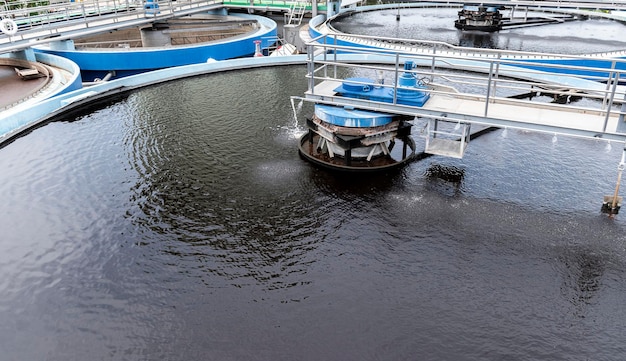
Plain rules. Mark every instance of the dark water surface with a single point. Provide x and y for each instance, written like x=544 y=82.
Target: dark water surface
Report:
x=180 y=224
x=594 y=35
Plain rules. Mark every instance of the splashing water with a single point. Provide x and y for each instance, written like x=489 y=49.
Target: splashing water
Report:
x=295 y=131
x=296 y=110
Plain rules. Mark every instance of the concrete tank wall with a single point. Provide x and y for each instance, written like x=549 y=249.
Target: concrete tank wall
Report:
x=156 y=36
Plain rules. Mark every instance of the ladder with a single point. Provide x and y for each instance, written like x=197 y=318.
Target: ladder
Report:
x=296 y=13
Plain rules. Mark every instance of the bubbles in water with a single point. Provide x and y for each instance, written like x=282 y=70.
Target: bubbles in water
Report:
x=408 y=199
x=294 y=132
x=277 y=173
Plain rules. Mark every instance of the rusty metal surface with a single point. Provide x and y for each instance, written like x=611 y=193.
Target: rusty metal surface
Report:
x=13 y=89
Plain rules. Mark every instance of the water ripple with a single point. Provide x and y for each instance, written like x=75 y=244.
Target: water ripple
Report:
x=180 y=223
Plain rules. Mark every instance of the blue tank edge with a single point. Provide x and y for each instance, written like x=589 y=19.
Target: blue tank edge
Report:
x=142 y=60
x=19 y=119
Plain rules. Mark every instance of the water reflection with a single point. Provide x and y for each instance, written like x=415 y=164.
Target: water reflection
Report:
x=202 y=194
x=151 y=230
x=353 y=186
x=445 y=179
x=582 y=276
x=478 y=39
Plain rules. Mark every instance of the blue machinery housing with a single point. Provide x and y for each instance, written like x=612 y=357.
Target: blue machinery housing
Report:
x=410 y=90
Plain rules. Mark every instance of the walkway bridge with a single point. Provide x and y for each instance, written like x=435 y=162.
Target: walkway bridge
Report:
x=68 y=19
x=480 y=87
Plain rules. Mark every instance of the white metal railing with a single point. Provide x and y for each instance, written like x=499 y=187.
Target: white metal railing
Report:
x=581 y=84
x=565 y=4
x=37 y=20
x=407 y=44
x=30 y=14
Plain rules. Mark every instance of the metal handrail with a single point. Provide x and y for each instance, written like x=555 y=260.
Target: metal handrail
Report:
x=38 y=22
x=496 y=78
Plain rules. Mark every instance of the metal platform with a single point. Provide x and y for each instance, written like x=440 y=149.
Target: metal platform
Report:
x=500 y=112
x=483 y=88
x=446 y=147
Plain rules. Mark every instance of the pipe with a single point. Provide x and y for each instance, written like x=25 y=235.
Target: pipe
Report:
x=106 y=78
x=620 y=169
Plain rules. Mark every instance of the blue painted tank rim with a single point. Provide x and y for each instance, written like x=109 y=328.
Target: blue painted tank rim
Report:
x=267 y=25
x=350 y=117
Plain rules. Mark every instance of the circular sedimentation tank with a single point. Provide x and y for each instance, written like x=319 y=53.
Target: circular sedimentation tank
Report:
x=25 y=82
x=583 y=35
x=181 y=41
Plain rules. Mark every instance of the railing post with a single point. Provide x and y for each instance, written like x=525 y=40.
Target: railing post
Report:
x=325 y=56
x=311 y=68
x=620 y=120
x=610 y=104
x=488 y=88
x=82 y=8
x=335 y=56
x=395 y=82
x=496 y=74
x=605 y=99
x=432 y=66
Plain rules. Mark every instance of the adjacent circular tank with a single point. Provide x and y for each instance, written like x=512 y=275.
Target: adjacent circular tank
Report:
x=181 y=41
x=27 y=78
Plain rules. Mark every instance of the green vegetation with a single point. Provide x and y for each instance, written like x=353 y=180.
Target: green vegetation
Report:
x=9 y=5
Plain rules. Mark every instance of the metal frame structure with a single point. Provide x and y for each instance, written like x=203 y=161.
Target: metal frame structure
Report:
x=491 y=88
x=38 y=20
x=67 y=20
x=480 y=86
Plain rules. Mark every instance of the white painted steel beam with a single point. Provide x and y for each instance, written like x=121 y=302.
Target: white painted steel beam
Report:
x=502 y=113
